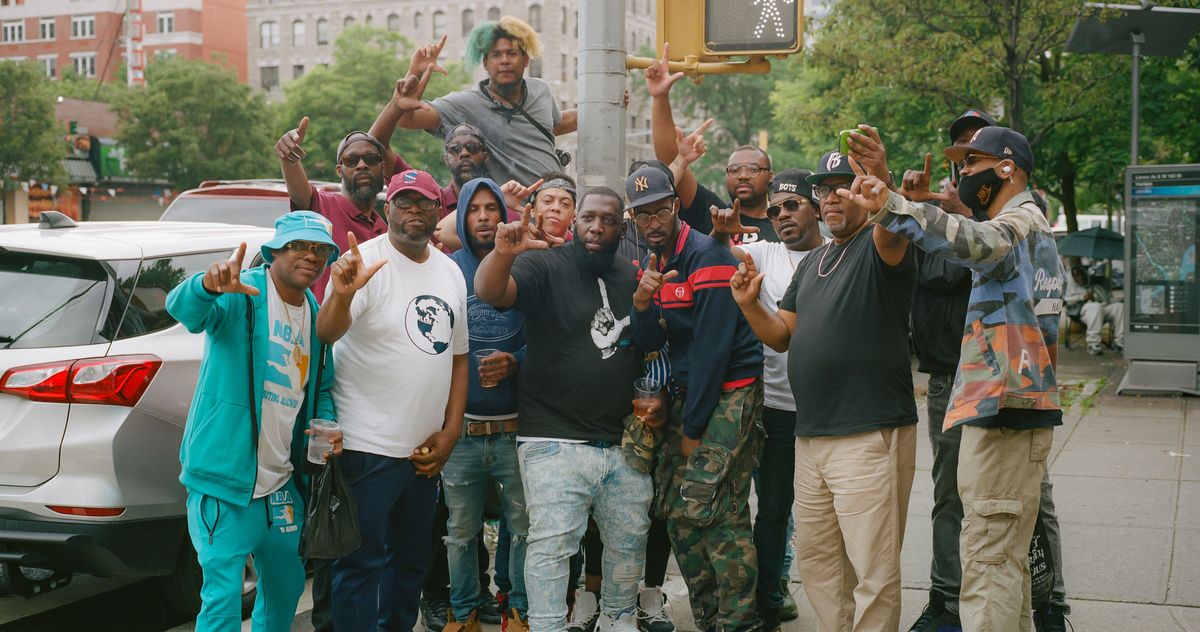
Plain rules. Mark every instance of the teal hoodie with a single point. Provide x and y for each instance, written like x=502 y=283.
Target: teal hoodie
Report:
x=219 y=453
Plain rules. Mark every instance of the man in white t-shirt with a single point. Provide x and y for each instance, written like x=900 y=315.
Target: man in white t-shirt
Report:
x=397 y=309
x=793 y=214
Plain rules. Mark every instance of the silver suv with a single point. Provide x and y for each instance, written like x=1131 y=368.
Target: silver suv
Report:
x=95 y=383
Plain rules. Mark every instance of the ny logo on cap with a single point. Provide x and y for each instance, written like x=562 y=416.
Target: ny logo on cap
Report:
x=833 y=161
x=787 y=186
x=641 y=183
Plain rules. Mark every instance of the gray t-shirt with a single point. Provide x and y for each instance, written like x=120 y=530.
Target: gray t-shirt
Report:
x=520 y=151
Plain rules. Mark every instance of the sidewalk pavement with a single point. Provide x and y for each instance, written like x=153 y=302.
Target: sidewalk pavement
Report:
x=1126 y=474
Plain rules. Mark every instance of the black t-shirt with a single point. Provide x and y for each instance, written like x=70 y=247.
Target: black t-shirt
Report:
x=848 y=360
x=698 y=215
x=580 y=363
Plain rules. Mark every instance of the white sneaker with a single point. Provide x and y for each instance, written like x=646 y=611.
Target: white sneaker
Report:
x=583 y=616
x=625 y=622
x=652 y=611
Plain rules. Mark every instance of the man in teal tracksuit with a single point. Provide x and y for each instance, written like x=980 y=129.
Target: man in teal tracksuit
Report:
x=244 y=445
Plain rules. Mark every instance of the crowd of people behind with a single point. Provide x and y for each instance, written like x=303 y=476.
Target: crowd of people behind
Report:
x=615 y=370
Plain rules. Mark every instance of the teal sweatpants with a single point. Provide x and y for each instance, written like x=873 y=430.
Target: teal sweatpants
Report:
x=223 y=534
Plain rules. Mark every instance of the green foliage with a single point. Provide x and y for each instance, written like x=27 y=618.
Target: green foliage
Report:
x=349 y=94
x=76 y=87
x=31 y=145
x=194 y=122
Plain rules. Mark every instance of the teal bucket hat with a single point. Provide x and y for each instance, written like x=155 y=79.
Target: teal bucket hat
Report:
x=300 y=226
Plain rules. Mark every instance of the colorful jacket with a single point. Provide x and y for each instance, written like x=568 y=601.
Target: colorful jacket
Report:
x=1016 y=297
x=219 y=452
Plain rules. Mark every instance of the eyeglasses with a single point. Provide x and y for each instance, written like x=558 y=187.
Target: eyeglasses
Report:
x=749 y=169
x=820 y=191
x=663 y=215
x=425 y=204
x=790 y=206
x=472 y=148
x=351 y=160
x=323 y=251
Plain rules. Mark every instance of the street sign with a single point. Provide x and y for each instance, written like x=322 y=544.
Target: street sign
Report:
x=757 y=27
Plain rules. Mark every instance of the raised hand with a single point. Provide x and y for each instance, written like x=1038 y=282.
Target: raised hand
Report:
x=407 y=96
x=692 y=147
x=915 y=184
x=288 y=146
x=867 y=148
x=747 y=282
x=658 y=75
x=225 y=276
x=426 y=57
x=652 y=281
x=513 y=238
x=516 y=194
x=729 y=220
x=867 y=191
x=348 y=273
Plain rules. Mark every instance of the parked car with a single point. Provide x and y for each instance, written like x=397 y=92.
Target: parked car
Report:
x=95 y=383
x=254 y=202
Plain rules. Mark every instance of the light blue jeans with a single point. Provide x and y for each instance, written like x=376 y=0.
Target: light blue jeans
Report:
x=468 y=473
x=564 y=482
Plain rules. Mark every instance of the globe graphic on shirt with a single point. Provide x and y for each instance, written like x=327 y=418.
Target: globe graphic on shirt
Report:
x=429 y=321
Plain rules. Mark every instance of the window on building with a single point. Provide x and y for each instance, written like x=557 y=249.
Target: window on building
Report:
x=268 y=35
x=535 y=17
x=468 y=21
x=439 y=24
x=50 y=63
x=46 y=28
x=418 y=23
x=166 y=21
x=564 y=20
x=14 y=31
x=269 y=76
x=85 y=64
x=535 y=68
x=393 y=22
x=165 y=53
x=563 y=67
x=83 y=26
x=298 y=34
x=297 y=71
x=576 y=23
x=494 y=13
x=322 y=32
x=369 y=20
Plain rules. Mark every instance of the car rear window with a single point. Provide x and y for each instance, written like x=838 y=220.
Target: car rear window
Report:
x=229 y=210
x=54 y=301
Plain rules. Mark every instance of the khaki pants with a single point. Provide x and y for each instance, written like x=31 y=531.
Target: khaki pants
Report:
x=999 y=479
x=851 y=505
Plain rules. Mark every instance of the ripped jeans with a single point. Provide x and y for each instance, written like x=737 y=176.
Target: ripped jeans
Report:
x=469 y=472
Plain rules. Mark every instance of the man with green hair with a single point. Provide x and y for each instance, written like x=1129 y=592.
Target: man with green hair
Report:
x=517 y=114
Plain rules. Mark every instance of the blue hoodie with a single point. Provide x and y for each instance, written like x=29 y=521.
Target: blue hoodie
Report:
x=487 y=327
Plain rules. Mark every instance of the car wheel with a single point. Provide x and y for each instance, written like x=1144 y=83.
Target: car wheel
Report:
x=181 y=589
x=27 y=582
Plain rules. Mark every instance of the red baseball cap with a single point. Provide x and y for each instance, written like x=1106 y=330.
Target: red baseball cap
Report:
x=414 y=180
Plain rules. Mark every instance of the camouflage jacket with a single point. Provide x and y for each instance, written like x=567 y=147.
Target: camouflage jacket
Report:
x=1016 y=297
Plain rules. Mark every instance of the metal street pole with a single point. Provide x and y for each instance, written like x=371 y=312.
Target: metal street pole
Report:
x=1137 y=38
x=600 y=159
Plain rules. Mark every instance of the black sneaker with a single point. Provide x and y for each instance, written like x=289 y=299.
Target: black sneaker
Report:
x=1050 y=619
x=935 y=618
x=489 y=608
x=788 y=610
x=433 y=612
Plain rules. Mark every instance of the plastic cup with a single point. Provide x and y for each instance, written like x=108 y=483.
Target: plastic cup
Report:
x=645 y=393
x=479 y=359
x=318 y=443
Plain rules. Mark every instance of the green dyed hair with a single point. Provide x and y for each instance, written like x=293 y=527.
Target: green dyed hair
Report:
x=484 y=36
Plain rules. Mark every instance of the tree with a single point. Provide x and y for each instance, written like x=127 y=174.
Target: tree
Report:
x=349 y=94
x=194 y=122
x=31 y=145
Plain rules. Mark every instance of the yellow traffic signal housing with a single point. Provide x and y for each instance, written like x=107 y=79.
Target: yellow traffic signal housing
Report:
x=713 y=30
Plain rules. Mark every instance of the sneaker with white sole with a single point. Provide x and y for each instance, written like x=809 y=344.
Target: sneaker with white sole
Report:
x=625 y=622
x=584 y=614
x=652 y=611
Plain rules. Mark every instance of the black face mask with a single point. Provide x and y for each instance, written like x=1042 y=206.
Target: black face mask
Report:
x=978 y=190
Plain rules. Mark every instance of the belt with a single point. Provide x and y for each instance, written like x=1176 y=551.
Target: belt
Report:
x=490 y=427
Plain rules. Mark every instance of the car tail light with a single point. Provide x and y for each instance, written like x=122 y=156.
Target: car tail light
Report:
x=91 y=512
x=114 y=381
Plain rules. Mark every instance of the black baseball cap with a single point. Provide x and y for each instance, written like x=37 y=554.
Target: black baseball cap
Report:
x=831 y=164
x=1000 y=142
x=357 y=136
x=464 y=128
x=977 y=118
x=790 y=183
x=647 y=185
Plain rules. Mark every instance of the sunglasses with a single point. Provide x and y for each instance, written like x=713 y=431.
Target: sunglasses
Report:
x=472 y=148
x=425 y=204
x=663 y=215
x=790 y=206
x=351 y=160
x=323 y=251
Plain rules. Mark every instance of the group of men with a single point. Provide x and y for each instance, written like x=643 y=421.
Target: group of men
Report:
x=766 y=351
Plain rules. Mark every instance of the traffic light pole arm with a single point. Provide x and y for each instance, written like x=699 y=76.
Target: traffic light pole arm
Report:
x=696 y=69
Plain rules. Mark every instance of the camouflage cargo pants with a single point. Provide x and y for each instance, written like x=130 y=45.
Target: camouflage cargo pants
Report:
x=705 y=500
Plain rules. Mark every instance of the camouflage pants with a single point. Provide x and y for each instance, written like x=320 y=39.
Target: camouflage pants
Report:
x=705 y=500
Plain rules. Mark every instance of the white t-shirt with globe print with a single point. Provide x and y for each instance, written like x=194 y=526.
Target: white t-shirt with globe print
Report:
x=288 y=369
x=394 y=363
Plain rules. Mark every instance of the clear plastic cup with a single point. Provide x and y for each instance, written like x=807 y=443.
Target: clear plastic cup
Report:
x=479 y=360
x=645 y=393
x=318 y=443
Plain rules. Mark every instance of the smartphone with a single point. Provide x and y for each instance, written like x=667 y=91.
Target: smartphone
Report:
x=844 y=139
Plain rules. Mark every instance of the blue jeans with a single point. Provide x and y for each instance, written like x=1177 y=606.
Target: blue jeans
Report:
x=466 y=476
x=379 y=585
x=565 y=482
x=773 y=484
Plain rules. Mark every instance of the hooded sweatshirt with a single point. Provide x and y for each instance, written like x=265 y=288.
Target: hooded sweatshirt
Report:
x=487 y=328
